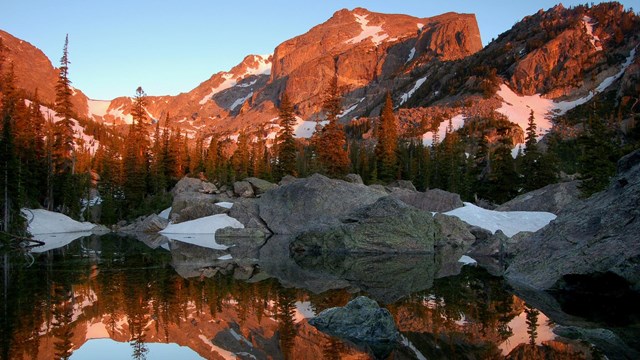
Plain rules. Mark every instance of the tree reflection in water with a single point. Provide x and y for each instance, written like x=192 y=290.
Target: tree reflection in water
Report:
x=125 y=291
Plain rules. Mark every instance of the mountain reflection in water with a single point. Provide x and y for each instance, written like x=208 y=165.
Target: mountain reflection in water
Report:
x=99 y=295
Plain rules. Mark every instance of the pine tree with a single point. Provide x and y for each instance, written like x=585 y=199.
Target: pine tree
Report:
x=503 y=178
x=597 y=164
x=285 y=142
x=387 y=146
x=538 y=170
x=136 y=157
x=242 y=156
x=10 y=202
x=331 y=142
x=64 y=143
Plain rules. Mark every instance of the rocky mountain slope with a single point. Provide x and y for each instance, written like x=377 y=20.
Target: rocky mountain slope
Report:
x=436 y=68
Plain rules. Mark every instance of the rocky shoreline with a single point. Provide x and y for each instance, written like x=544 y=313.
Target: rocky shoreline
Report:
x=321 y=234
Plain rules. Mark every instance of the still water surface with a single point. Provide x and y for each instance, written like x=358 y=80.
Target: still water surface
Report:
x=113 y=297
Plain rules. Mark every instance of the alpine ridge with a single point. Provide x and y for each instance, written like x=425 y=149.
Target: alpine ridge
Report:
x=435 y=68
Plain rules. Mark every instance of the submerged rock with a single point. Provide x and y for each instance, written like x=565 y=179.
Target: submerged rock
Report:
x=597 y=235
x=361 y=321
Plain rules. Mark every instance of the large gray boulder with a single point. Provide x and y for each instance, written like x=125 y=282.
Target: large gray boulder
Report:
x=260 y=186
x=361 y=321
x=317 y=200
x=435 y=200
x=246 y=211
x=354 y=178
x=597 y=235
x=152 y=224
x=198 y=210
x=388 y=225
x=401 y=184
x=551 y=198
x=243 y=189
x=192 y=185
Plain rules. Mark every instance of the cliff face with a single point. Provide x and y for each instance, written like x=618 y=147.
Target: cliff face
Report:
x=366 y=50
x=33 y=70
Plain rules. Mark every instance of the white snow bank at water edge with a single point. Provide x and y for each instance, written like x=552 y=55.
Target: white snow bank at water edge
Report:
x=510 y=222
x=47 y=222
x=165 y=213
x=54 y=229
x=201 y=231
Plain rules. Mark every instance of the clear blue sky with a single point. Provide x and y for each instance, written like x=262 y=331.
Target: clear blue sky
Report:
x=168 y=47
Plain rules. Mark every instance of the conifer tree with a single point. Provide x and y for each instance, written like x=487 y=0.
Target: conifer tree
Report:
x=10 y=201
x=537 y=169
x=212 y=161
x=503 y=178
x=136 y=155
x=286 y=143
x=331 y=142
x=64 y=144
x=387 y=146
x=597 y=163
x=158 y=178
x=242 y=156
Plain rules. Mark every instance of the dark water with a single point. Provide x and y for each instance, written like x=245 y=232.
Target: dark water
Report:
x=111 y=297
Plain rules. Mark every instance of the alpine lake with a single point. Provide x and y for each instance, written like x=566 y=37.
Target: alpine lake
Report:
x=115 y=297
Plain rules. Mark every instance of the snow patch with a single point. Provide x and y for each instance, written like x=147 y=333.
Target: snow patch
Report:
x=54 y=229
x=225 y=204
x=510 y=222
x=225 y=257
x=263 y=68
x=467 y=260
x=82 y=140
x=118 y=113
x=588 y=25
x=165 y=213
x=350 y=108
x=98 y=107
x=412 y=53
x=201 y=231
x=228 y=82
x=406 y=96
x=376 y=33
x=456 y=122
x=240 y=101
x=48 y=222
x=517 y=108
x=303 y=311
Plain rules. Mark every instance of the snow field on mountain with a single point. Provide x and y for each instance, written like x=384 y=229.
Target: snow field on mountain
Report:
x=89 y=142
x=456 y=122
x=376 y=33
